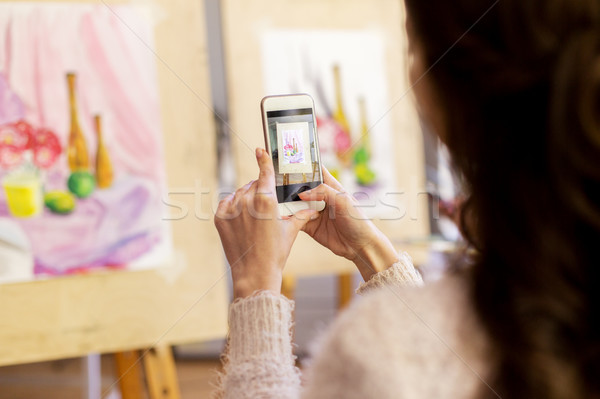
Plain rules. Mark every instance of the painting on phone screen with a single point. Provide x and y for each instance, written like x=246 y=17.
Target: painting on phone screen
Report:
x=81 y=159
x=293 y=145
x=344 y=71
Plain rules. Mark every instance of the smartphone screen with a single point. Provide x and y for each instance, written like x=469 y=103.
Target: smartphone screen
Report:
x=295 y=152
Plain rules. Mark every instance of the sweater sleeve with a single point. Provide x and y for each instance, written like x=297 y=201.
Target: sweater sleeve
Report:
x=401 y=273
x=258 y=361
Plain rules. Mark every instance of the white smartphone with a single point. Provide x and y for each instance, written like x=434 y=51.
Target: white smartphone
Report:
x=290 y=128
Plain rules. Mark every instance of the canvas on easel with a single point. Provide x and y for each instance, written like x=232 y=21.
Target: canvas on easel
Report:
x=114 y=309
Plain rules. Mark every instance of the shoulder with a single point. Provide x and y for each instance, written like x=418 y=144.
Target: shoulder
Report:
x=415 y=320
x=443 y=304
x=417 y=341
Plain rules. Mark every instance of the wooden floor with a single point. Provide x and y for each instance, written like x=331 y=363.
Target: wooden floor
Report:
x=63 y=379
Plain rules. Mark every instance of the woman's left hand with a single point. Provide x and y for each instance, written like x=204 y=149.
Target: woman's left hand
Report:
x=256 y=240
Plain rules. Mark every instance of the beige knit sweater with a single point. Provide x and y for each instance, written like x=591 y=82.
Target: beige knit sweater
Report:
x=401 y=340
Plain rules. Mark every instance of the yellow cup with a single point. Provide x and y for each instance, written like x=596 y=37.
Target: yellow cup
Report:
x=23 y=194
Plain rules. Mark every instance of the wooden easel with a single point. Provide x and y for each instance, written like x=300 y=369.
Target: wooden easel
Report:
x=345 y=284
x=120 y=312
x=161 y=374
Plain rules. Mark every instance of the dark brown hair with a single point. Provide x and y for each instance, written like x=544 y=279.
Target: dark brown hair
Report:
x=520 y=91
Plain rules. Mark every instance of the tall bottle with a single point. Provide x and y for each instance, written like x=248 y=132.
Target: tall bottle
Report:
x=362 y=156
x=363 y=150
x=104 y=170
x=77 y=154
x=343 y=138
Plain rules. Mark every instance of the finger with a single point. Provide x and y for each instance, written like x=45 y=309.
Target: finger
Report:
x=266 y=177
x=253 y=187
x=247 y=186
x=300 y=219
x=223 y=207
x=322 y=193
x=240 y=192
x=331 y=181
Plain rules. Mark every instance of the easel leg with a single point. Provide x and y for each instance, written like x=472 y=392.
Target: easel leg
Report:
x=161 y=373
x=129 y=374
x=344 y=290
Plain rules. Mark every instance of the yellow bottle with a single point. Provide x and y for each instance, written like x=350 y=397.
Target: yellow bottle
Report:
x=363 y=152
x=362 y=156
x=104 y=171
x=345 y=152
x=77 y=154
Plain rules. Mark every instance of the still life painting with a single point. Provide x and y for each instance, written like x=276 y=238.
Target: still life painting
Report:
x=81 y=162
x=344 y=71
x=293 y=151
x=292 y=139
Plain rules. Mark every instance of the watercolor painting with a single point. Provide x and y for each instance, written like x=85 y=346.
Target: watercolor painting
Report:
x=292 y=141
x=293 y=148
x=81 y=162
x=344 y=71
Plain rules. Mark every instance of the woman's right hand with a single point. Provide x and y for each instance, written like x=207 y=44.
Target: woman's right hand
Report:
x=344 y=229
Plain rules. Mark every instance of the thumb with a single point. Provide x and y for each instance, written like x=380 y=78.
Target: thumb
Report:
x=300 y=219
x=266 y=178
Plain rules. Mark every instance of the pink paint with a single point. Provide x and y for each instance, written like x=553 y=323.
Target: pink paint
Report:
x=11 y=106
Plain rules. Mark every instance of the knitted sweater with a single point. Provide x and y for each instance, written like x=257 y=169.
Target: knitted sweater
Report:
x=400 y=340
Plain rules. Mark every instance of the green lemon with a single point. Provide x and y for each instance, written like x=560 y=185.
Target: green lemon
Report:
x=81 y=183
x=60 y=202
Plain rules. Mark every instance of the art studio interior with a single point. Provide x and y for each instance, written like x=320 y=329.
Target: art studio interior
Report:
x=299 y=199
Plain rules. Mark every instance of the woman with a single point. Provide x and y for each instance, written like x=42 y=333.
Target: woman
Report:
x=512 y=88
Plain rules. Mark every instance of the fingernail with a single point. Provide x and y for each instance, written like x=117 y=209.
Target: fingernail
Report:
x=259 y=153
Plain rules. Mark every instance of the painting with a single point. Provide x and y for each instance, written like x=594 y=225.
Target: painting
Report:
x=81 y=163
x=292 y=144
x=345 y=73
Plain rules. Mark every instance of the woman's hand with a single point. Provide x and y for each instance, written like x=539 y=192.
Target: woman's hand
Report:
x=344 y=229
x=256 y=240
